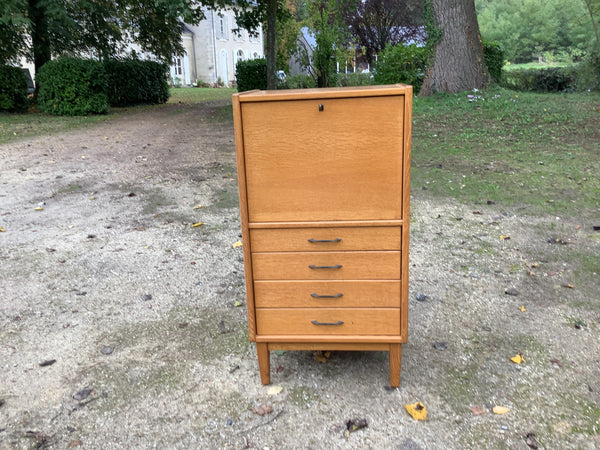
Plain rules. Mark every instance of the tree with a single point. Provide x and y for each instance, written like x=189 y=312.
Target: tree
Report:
x=377 y=23
x=458 y=63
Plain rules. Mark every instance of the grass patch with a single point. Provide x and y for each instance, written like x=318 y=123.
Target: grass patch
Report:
x=538 y=151
x=199 y=95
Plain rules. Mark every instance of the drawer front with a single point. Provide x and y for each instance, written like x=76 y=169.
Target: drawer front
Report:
x=326 y=266
x=327 y=294
x=342 y=163
x=353 y=321
x=325 y=239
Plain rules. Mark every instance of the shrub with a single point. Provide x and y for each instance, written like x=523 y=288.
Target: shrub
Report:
x=72 y=87
x=493 y=54
x=251 y=74
x=297 y=82
x=588 y=71
x=402 y=64
x=355 y=79
x=13 y=89
x=552 y=79
x=135 y=82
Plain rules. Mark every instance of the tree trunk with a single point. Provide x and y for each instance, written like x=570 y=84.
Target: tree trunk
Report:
x=40 y=39
x=458 y=63
x=271 y=44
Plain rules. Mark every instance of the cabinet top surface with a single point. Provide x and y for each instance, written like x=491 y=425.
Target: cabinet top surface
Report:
x=303 y=94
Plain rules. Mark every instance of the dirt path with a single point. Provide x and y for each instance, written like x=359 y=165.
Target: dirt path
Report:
x=122 y=326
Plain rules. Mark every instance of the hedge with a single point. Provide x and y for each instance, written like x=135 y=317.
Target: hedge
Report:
x=72 y=86
x=401 y=64
x=552 y=79
x=493 y=54
x=13 y=89
x=135 y=82
x=251 y=74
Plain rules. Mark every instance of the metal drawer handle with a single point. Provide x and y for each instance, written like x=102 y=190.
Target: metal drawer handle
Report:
x=326 y=296
x=339 y=322
x=316 y=241
x=337 y=266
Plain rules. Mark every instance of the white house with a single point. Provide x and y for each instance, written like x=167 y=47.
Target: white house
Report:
x=212 y=50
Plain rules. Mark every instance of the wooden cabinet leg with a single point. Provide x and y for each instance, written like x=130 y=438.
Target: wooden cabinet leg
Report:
x=395 y=363
x=264 y=362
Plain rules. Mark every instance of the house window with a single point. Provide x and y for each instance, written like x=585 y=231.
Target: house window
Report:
x=240 y=55
x=178 y=66
x=222 y=27
x=255 y=55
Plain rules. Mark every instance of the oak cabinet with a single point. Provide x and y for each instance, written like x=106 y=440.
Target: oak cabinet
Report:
x=324 y=183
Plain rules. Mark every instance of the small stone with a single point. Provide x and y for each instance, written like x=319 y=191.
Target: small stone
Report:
x=511 y=291
x=229 y=422
x=82 y=394
x=421 y=297
x=147 y=297
x=441 y=346
x=107 y=350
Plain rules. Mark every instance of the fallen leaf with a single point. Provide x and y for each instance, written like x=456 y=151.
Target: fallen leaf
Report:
x=237 y=244
x=197 y=207
x=263 y=409
x=274 y=390
x=558 y=362
x=522 y=308
x=417 y=411
x=500 y=409
x=505 y=236
x=570 y=286
x=321 y=356
x=238 y=303
x=38 y=208
x=2 y=230
x=48 y=362
x=477 y=410
x=75 y=443
x=356 y=424
x=530 y=440
x=518 y=358
x=197 y=224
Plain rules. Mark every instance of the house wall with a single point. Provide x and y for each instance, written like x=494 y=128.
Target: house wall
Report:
x=213 y=49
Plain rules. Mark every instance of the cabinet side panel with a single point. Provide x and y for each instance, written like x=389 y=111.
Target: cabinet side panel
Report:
x=241 y=170
x=406 y=213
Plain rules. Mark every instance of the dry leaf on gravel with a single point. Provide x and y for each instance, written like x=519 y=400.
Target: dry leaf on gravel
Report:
x=500 y=409
x=417 y=411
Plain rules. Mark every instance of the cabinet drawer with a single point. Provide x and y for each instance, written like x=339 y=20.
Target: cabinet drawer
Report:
x=357 y=321
x=327 y=266
x=325 y=239
x=344 y=162
x=327 y=294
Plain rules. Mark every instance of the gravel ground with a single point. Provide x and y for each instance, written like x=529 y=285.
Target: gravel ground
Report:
x=122 y=326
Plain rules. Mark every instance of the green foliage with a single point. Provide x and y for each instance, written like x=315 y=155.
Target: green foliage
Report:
x=529 y=28
x=551 y=79
x=402 y=64
x=134 y=82
x=588 y=71
x=13 y=24
x=298 y=82
x=13 y=89
x=72 y=87
x=355 y=79
x=493 y=53
x=251 y=74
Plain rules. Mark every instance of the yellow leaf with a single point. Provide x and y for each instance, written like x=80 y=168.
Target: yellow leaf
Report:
x=417 y=411
x=237 y=303
x=197 y=207
x=522 y=308
x=505 y=236
x=500 y=409
x=197 y=224
x=517 y=359
x=274 y=390
x=321 y=356
x=2 y=230
x=237 y=244
x=38 y=208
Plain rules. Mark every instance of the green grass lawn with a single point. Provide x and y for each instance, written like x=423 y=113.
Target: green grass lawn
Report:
x=538 y=152
x=536 y=65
